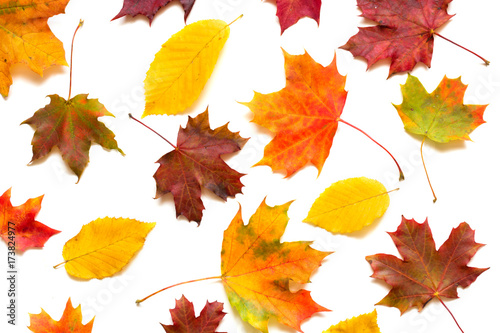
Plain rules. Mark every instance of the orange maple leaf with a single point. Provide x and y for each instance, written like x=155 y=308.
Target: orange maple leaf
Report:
x=18 y=226
x=304 y=115
x=257 y=269
x=25 y=37
x=71 y=321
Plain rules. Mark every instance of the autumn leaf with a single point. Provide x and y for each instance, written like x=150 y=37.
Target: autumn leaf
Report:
x=440 y=116
x=290 y=11
x=71 y=126
x=195 y=162
x=349 y=205
x=257 y=270
x=365 y=323
x=150 y=8
x=71 y=321
x=304 y=115
x=103 y=247
x=25 y=37
x=425 y=273
x=185 y=320
x=183 y=66
x=404 y=32
x=18 y=226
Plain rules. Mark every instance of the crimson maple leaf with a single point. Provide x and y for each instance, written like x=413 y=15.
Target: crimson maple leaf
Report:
x=149 y=8
x=185 y=320
x=425 y=273
x=405 y=32
x=196 y=162
x=290 y=12
x=18 y=227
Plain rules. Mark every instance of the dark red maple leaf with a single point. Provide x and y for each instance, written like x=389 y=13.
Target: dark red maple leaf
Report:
x=425 y=273
x=290 y=12
x=185 y=321
x=196 y=162
x=149 y=8
x=18 y=226
x=405 y=32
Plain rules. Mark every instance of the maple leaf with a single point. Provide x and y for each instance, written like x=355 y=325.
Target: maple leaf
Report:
x=257 y=269
x=183 y=66
x=304 y=115
x=18 y=226
x=103 y=247
x=405 y=32
x=149 y=8
x=425 y=273
x=185 y=321
x=349 y=205
x=71 y=321
x=440 y=116
x=365 y=323
x=290 y=11
x=70 y=126
x=196 y=162
x=25 y=37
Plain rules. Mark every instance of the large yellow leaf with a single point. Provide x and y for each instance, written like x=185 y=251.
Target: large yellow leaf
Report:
x=104 y=246
x=349 y=205
x=183 y=66
x=365 y=323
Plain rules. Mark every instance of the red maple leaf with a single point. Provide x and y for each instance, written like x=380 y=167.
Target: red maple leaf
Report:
x=290 y=11
x=149 y=8
x=71 y=321
x=185 y=320
x=425 y=273
x=196 y=162
x=405 y=32
x=18 y=227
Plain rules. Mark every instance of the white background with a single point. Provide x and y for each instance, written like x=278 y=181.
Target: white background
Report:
x=110 y=62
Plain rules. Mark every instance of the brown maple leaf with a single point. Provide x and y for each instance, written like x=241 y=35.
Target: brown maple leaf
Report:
x=149 y=8
x=25 y=37
x=425 y=273
x=405 y=32
x=71 y=321
x=196 y=162
x=18 y=226
x=185 y=320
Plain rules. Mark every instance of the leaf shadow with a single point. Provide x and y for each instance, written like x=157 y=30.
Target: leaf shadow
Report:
x=441 y=147
x=21 y=71
x=365 y=231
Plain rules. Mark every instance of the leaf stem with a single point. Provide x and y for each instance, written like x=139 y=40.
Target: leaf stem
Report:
x=466 y=49
x=59 y=264
x=161 y=136
x=236 y=19
x=452 y=316
x=425 y=168
x=175 y=285
x=401 y=175
x=71 y=59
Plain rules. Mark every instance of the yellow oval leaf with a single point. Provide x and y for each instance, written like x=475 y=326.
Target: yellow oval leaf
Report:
x=365 y=323
x=349 y=205
x=183 y=66
x=104 y=246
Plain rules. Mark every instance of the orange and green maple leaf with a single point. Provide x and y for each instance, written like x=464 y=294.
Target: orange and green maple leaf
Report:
x=25 y=37
x=425 y=273
x=71 y=126
x=257 y=270
x=304 y=115
x=440 y=116
x=18 y=226
x=71 y=321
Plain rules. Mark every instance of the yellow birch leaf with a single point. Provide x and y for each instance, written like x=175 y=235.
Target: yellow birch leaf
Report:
x=104 y=246
x=183 y=66
x=365 y=323
x=349 y=205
